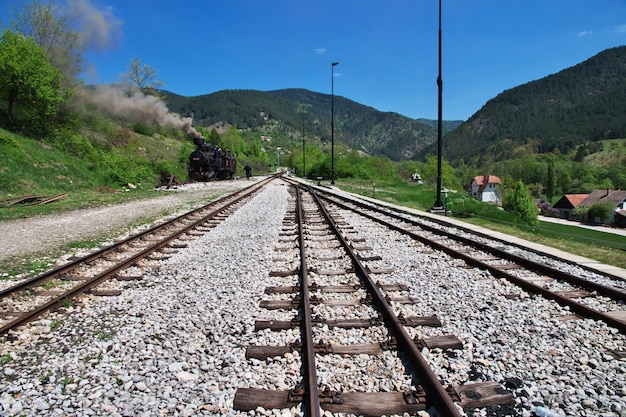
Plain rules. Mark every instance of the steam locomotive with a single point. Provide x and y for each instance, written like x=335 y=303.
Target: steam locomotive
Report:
x=208 y=162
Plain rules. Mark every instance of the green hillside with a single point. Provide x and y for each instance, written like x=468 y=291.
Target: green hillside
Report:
x=357 y=126
x=582 y=104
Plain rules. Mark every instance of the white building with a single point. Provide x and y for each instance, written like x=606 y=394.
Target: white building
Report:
x=486 y=188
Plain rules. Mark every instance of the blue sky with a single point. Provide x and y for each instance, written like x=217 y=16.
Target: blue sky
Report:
x=387 y=50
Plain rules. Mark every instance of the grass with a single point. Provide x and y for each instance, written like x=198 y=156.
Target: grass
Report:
x=78 y=199
x=32 y=167
x=32 y=266
x=604 y=247
x=56 y=325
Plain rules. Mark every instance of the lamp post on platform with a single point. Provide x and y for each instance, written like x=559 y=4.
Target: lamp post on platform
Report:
x=303 y=150
x=438 y=206
x=278 y=153
x=332 y=122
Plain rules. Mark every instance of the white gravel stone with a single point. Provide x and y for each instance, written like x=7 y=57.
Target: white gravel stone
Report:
x=174 y=343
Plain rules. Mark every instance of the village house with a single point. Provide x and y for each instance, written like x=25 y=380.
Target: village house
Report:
x=567 y=204
x=486 y=188
x=617 y=198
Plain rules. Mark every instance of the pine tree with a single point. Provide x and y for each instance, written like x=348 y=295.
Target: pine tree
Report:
x=551 y=182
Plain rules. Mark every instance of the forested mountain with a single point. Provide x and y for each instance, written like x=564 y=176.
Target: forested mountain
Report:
x=360 y=127
x=578 y=105
x=581 y=104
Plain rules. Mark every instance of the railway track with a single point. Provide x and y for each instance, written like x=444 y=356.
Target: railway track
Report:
x=335 y=272
x=586 y=293
x=30 y=298
x=317 y=327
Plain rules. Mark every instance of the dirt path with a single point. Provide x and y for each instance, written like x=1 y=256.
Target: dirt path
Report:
x=43 y=234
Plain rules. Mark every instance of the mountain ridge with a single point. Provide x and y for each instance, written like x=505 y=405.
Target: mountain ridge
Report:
x=577 y=105
x=357 y=126
x=557 y=113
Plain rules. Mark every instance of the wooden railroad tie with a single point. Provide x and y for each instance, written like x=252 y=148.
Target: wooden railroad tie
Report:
x=473 y=395
x=104 y=293
x=283 y=248
x=618 y=315
x=573 y=293
x=295 y=271
x=277 y=325
x=332 y=271
x=323 y=288
x=362 y=248
x=128 y=277
x=441 y=342
x=178 y=245
x=370 y=258
x=195 y=233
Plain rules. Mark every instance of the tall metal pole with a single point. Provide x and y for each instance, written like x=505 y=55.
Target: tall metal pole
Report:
x=332 y=123
x=438 y=204
x=303 y=149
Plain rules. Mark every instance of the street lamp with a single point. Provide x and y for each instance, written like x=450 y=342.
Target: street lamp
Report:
x=278 y=152
x=303 y=150
x=438 y=204
x=332 y=123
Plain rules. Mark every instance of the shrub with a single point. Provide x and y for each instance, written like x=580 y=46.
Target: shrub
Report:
x=144 y=129
x=517 y=200
x=120 y=170
x=601 y=211
x=545 y=209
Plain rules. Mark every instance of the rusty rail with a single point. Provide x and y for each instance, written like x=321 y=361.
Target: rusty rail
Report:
x=578 y=308
x=311 y=398
x=432 y=385
x=94 y=281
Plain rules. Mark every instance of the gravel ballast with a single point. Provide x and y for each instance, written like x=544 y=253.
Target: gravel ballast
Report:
x=174 y=342
x=171 y=344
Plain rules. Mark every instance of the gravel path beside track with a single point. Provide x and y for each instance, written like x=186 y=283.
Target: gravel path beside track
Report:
x=42 y=234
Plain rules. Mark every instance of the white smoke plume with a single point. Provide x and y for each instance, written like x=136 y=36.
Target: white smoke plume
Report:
x=101 y=29
x=132 y=105
x=98 y=29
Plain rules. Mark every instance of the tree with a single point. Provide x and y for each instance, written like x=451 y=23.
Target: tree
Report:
x=551 y=180
x=448 y=177
x=47 y=27
x=581 y=211
x=145 y=78
x=231 y=139
x=215 y=138
x=29 y=83
x=517 y=200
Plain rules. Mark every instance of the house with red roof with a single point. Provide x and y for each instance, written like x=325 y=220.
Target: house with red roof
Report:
x=486 y=188
x=567 y=204
x=616 y=198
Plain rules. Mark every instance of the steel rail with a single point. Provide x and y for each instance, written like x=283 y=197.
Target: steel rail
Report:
x=432 y=385
x=29 y=282
x=391 y=211
x=98 y=279
x=613 y=292
x=576 y=307
x=311 y=394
